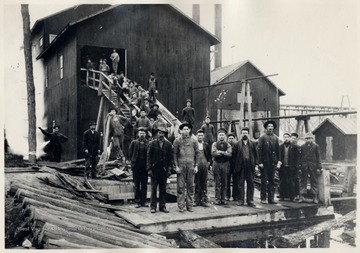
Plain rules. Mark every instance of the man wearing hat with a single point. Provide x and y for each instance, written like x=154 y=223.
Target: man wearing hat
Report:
x=117 y=125
x=221 y=152
x=231 y=139
x=209 y=131
x=54 y=148
x=310 y=166
x=91 y=147
x=244 y=154
x=152 y=87
x=174 y=131
x=154 y=112
x=201 y=177
x=186 y=159
x=143 y=121
x=268 y=161
x=138 y=155
x=188 y=113
x=158 y=165
x=289 y=154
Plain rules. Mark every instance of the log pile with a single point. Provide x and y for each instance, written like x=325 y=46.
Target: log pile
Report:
x=62 y=212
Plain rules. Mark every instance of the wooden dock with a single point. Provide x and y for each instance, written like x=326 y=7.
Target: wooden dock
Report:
x=224 y=216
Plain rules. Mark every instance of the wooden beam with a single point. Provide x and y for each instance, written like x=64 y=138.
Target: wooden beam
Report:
x=192 y=240
x=324 y=188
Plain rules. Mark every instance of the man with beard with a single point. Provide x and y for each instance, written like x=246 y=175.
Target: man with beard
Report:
x=91 y=146
x=158 y=165
x=268 y=160
x=244 y=153
x=231 y=140
x=310 y=166
x=54 y=147
x=288 y=171
x=201 y=177
x=221 y=152
x=138 y=154
x=186 y=159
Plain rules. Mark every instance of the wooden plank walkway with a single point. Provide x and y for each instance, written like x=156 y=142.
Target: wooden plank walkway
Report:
x=223 y=216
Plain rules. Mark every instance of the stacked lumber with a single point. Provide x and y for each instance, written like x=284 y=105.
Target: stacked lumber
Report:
x=65 y=216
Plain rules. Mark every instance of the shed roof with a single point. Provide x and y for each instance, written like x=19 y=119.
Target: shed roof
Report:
x=219 y=74
x=346 y=126
x=211 y=37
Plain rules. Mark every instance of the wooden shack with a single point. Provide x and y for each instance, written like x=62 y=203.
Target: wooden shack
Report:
x=264 y=93
x=337 y=138
x=149 y=38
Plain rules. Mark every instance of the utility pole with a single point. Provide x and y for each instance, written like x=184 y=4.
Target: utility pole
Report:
x=29 y=83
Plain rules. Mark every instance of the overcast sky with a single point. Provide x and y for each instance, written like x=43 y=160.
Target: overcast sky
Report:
x=312 y=45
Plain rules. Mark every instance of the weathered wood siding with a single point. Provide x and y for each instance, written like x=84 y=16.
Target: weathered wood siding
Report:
x=157 y=40
x=61 y=102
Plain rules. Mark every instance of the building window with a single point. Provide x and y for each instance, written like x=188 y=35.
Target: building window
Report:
x=41 y=42
x=51 y=37
x=61 y=66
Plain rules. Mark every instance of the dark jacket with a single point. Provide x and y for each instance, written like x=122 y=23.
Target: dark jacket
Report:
x=91 y=142
x=237 y=154
x=293 y=156
x=157 y=162
x=268 y=149
x=207 y=152
x=310 y=155
x=55 y=140
x=134 y=149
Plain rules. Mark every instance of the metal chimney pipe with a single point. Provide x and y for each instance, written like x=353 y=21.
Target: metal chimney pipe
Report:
x=218 y=25
x=196 y=13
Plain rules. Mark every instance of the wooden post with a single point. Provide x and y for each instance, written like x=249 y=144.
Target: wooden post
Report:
x=87 y=77
x=100 y=84
x=99 y=113
x=241 y=120
x=249 y=100
x=324 y=187
x=349 y=180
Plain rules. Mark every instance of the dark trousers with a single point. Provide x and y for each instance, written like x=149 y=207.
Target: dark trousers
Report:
x=246 y=174
x=152 y=94
x=221 y=171
x=159 y=179
x=268 y=181
x=201 y=178
x=309 y=171
x=56 y=156
x=287 y=182
x=90 y=165
x=140 y=178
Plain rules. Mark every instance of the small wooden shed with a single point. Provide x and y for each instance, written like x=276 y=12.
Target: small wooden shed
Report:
x=337 y=137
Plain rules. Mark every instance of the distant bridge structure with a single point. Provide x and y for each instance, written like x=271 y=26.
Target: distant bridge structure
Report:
x=304 y=124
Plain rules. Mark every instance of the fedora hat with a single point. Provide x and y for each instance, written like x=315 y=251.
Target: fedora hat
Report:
x=184 y=124
x=270 y=122
x=222 y=130
x=161 y=129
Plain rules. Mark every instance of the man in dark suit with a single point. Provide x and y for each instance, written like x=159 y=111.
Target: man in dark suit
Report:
x=138 y=154
x=54 y=148
x=201 y=177
x=91 y=147
x=244 y=154
x=158 y=165
x=268 y=161
x=289 y=154
x=310 y=165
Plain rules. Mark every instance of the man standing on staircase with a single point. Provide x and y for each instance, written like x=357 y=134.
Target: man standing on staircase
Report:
x=91 y=147
x=209 y=131
x=152 y=87
x=310 y=166
x=115 y=58
x=188 y=113
x=117 y=125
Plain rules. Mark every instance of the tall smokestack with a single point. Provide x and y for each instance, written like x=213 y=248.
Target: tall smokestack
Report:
x=218 y=26
x=196 y=13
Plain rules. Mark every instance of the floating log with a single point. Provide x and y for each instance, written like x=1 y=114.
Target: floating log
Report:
x=193 y=240
x=296 y=238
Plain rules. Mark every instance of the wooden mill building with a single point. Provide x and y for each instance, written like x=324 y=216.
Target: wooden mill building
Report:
x=337 y=138
x=149 y=38
x=264 y=93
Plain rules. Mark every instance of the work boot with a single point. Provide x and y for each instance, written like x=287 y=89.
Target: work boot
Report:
x=301 y=199
x=316 y=200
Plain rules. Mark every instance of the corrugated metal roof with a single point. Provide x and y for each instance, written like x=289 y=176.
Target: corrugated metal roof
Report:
x=347 y=126
x=219 y=74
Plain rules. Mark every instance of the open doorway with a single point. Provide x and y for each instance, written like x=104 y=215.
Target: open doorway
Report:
x=97 y=53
